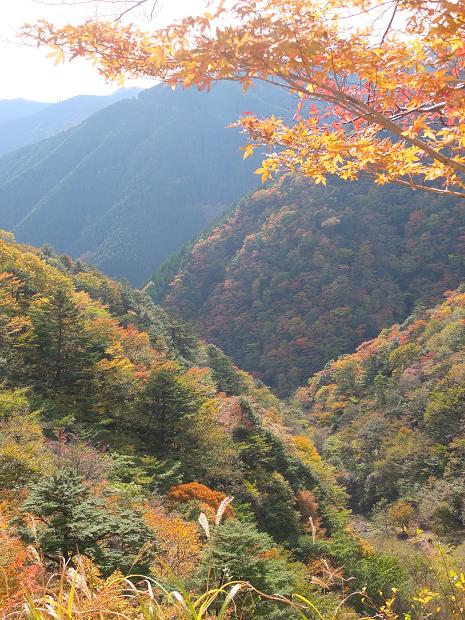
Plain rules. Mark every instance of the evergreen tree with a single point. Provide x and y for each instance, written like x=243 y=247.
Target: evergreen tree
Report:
x=277 y=512
x=70 y=520
x=238 y=551
x=73 y=520
x=61 y=355
x=380 y=389
x=224 y=373
x=167 y=401
x=182 y=338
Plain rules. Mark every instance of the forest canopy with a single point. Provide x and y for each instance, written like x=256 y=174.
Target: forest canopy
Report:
x=296 y=275
x=142 y=473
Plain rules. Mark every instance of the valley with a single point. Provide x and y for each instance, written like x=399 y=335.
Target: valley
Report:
x=296 y=274
x=232 y=315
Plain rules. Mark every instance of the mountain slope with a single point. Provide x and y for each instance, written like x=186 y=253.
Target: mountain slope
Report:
x=136 y=181
x=118 y=428
x=297 y=275
x=32 y=122
x=117 y=352
x=391 y=418
x=124 y=437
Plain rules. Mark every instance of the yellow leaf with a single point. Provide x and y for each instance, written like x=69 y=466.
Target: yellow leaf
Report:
x=266 y=174
x=58 y=55
x=248 y=151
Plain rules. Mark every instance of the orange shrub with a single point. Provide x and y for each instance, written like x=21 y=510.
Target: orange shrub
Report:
x=209 y=499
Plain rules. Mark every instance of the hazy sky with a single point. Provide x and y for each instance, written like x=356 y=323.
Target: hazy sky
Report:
x=27 y=72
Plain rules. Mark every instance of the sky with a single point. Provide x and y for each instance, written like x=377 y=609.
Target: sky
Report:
x=26 y=72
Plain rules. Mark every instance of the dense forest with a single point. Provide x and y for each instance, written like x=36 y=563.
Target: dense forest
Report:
x=272 y=426
x=104 y=447
x=297 y=274
x=130 y=185
x=127 y=439
x=390 y=418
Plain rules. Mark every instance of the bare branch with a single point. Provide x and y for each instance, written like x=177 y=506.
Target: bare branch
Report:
x=390 y=23
x=123 y=7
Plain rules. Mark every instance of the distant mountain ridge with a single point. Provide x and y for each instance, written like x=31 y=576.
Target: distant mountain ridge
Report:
x=11 y=109
x=134 y=182
x=24 y=122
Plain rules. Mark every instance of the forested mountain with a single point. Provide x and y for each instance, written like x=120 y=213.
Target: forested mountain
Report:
x=297 y=274
x=19 y=108
x=118 y=429
x=136 y=181
x=24 y=122
x=147 y=471
x=390 y=418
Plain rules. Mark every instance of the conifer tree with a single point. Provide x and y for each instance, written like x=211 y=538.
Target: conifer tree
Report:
x=167 y=401
x=69 y=520
x=61 y=353
x=73 y=521
x=238 y=551
x=224 y=373
x=277 y=512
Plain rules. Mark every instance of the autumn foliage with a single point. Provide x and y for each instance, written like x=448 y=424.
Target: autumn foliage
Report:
x=392 y=416
x=295 y=275
x=117 y=425
x=379 y=85
x=179 y=543
x=20 y=572
x=208 y=499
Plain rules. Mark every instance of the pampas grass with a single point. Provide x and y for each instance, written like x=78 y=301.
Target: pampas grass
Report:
x=78 y=593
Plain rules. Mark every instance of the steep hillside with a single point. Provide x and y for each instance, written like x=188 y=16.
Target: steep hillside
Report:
x=296 y=275
x=31 y=122
x=136 y=181
x=391 y=418
x=118 y=429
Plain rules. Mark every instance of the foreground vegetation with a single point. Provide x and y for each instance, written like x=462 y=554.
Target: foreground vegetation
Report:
x=81 y=593
x=127 y=446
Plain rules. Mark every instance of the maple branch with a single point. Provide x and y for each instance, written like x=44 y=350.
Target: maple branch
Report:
x=419 y=186
x=427 y=188
x=377 y=90
x=137 y=4
x=380 y=119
